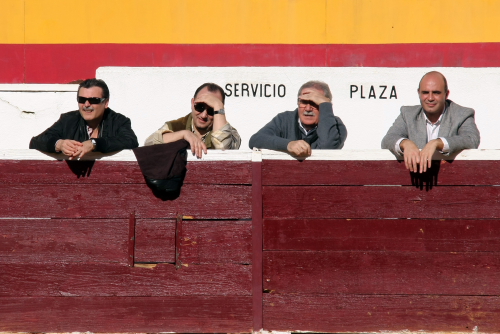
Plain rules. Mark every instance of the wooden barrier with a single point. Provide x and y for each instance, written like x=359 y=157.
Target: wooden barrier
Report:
x=341 y=242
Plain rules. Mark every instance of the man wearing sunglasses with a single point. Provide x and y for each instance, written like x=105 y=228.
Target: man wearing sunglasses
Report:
x=205 y=127
x=311 y=126
x=93 y=127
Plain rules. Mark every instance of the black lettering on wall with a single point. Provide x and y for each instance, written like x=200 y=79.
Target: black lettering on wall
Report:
x=254 y=91
x=265 y=90
x=228 y=90
x=354 y=89
x=382 y=94
x=244 y=88
x=393 y=93
x=372 y=93
x=279 y=90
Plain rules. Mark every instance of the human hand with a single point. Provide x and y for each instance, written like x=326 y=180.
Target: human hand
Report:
x=313 y=95
x=68 y=147
x=211 y=100
x=197 y=146
x=85 y=148
x=411 y=155
x=427 y=152
x=299 y=148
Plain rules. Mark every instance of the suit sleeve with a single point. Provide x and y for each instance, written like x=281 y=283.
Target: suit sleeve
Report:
x=332 y=133
x=123 y=137
x=397 y=131
x=46 y=141
x=467 y=136
x=271 y=136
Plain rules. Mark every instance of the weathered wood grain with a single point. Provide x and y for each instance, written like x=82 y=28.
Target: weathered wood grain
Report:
x=71 y=280
x=216 y=241
x=358 y=172
x=185 y=314
x=403 y=273
x=414 y=235
x=381 y=202
x=116 y=172
x=119 y=200
x=155 y=240
x=355 y=313
x=35 y=241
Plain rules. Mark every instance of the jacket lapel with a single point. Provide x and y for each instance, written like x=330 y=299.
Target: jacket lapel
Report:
x=445 y=127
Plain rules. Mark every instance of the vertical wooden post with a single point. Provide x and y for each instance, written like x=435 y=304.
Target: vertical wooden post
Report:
x=257 y=241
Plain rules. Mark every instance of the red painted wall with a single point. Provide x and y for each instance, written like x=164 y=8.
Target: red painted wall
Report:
x=335 y=246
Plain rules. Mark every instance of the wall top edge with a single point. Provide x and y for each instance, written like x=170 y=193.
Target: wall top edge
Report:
x=38 y=88
x=248 y=155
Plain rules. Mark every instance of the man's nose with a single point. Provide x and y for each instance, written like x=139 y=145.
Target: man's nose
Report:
x=87 y=103
x=431 y=96
x=308 y=107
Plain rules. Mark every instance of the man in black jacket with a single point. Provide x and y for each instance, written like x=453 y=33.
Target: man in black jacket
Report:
x=93 y=127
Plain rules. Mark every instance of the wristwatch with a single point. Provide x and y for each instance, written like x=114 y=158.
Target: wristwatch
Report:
x=220 y=112
x=93 y=143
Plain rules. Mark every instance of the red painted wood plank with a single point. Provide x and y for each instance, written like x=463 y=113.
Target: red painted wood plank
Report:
x=119 y=200
x=12 y=63
x=76 y=280
x=216 y=241
x=414 y=235
x=185 y=314
x=313 y=172
x=62 y=63
x=391 y=273
x=115 y=172
x=380 y=202
x=354 y=313
x=155 y=240
x=37 y=241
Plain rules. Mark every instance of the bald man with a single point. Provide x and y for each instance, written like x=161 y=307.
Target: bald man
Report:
x=437 y=124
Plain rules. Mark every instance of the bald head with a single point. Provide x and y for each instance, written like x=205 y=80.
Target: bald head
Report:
x=436 y=75
x=433 y=92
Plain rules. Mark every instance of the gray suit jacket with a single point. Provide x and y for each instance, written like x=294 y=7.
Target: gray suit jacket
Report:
x=457 y=127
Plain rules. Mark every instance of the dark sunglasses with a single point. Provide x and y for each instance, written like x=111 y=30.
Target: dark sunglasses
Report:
x=201 y=107
x=92 y=100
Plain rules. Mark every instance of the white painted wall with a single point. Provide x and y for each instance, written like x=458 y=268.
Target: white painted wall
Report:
x=151 y=96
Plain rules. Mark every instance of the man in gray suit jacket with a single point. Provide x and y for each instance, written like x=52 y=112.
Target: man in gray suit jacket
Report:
x=438 y=124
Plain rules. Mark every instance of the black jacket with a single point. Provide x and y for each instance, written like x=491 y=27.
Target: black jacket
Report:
x=116 y=133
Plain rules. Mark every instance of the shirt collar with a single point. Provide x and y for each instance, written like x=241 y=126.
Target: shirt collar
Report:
x=195 y=131
x=304 y=129
x=439 y=119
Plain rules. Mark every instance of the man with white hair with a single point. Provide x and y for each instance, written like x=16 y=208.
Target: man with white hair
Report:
x=311 y=126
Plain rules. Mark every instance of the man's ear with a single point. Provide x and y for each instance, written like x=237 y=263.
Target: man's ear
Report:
x=447 y=93
x=106 y=104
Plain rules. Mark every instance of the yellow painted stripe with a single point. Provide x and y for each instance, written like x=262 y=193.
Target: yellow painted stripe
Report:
x=12 y=21
x=251 y=21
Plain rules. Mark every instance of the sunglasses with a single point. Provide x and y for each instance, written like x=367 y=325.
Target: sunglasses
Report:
x=201 y=107
x=92 y=100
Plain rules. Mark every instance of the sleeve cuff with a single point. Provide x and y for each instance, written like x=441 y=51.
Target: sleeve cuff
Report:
x=397 y=148
x=446 y=146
